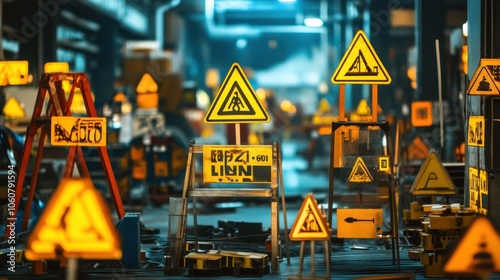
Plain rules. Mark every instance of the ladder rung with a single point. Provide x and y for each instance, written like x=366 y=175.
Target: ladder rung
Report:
x=209 y=192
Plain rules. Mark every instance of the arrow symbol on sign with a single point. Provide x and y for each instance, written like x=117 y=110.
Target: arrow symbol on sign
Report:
x=351 y=220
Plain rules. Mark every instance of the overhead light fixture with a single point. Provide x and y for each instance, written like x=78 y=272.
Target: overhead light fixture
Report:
x=241 y=43
x=313 y=22
x=287 y=0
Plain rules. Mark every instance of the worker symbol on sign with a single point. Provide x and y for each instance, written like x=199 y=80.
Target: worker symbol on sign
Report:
x=484 y=85
x=310 y=224
x=236 y=102
x=358 y=69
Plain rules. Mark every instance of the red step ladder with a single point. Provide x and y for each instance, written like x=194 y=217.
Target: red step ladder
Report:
x=50 y=86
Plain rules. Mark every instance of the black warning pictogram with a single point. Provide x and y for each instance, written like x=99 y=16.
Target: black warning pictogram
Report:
x=310 y=223
x=360 y=173
x=236 y=103
x=361 y=68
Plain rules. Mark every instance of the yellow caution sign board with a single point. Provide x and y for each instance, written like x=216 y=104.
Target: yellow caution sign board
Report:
x=359 y=223
x=421 y=113
x=478 y=190
x=360 y=64
x=236 y=101
x=146 y=85
x=13 y=110
x=433 y=179
x=360 y=173
x=56 y=67
x=475 y=134
x=75 y=224
x=78 y=131
x=310 y=223
x=477 y=251
x=486 y=78
x=237 y=164
x=14 y=72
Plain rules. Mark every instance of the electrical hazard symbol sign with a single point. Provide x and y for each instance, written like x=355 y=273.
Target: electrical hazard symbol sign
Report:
x=477 y=251
x=310 y=224
x=475 y=134
x=433 y=179
x=78 y=131
x=359 y=223
x=360 y=64
x=360 y=173
x=236 y=101
x=75 y=224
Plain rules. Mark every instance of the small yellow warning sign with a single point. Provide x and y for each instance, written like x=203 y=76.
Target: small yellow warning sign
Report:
x=478 y=190
x=360 y=64
x=433 y=179
x=14 y=72
x=421 y=113
x=75 y=224
x=77 y=131
x=56 y=67
x=13 y=109
x=310 y=223
x=483 y=83
x=477 y=251
x=146 y=85
x=359 y=223
x=363 y=108
x=383 y=164
x=236 y=101
x=360 y=173
x=475 y=135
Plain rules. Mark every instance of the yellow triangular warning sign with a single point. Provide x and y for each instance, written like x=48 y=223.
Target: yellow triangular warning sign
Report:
x=236 y=101
x=75 y=224
x=363 y=108
x=477 y=251
x=483 y=83
x=310 y=224
x=360 y=173
x=433 y=179
x=360 y=64
x=147 y=85
x=13 y=110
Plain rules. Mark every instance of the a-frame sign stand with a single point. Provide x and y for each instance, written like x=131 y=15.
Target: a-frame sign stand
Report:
x=361 y=65
x=50 y=86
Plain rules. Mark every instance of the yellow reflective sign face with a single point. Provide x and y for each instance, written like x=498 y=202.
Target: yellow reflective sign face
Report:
x=75 y=224
x=360 y=173
x=433 y=179
x=56 y=67
x=78 y=131
x=13 y=110
x=237 y=164
x=14 y=72
x=486 y=78
x=310 y=223
x=360 y=64
x=475 y=135
x=477 y=251
x=236 y=101
x=147 y=85
x=478 y=190
x=421 y=113
x=359 y=223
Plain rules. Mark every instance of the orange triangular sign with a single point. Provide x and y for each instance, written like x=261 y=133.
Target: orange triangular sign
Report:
x=360 y=173
x=236 y=101
x=310 y=223
x=433 y=179
x=477 y=251
x=360 y=64
x=147 y=85
x=483 y=83
x=75 y=224
x=417 y=149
